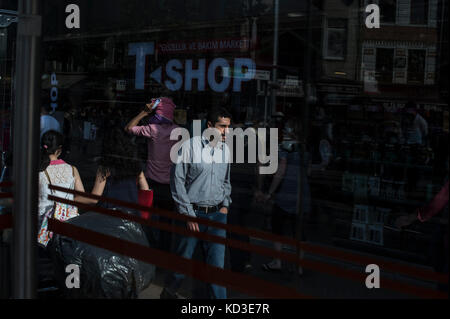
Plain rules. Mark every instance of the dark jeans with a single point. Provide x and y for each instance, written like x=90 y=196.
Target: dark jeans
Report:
x=214 y=253
x=162 y=198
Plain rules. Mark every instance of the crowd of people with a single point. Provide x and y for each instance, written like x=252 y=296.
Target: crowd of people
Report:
x=201 y=189
x=200 y=185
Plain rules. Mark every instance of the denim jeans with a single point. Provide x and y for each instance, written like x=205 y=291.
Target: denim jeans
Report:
x=213 y=252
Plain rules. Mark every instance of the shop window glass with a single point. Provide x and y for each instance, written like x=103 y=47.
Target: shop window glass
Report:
x=419 y=11
x=368 y=107
x=335 y=39
x=388 y=10
x=384 y=65
x=416 y=66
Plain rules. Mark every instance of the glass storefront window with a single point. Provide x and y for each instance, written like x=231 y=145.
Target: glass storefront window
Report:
x=361 y=113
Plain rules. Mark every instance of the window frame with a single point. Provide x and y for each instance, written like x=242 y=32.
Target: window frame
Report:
x=325 y=54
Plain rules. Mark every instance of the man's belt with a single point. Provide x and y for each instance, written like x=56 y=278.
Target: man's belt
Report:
x=206 y=209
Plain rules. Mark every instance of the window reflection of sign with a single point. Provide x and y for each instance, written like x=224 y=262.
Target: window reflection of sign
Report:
x=235 y=72
x=290 y=88
x=121 y=85
x=179 y=74
x=262 y=75
x=400 y=62
x=197 y=46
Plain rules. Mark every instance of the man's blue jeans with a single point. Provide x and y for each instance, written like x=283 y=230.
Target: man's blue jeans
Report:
x=213 y=252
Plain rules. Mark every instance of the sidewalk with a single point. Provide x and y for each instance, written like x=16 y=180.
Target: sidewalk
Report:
x=311 y=283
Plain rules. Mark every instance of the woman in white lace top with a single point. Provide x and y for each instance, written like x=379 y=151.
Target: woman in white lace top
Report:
x=57 y=172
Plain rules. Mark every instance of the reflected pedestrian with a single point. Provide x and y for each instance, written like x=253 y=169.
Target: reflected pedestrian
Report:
x=157 y=133
x=284 y=189
x=201 y=188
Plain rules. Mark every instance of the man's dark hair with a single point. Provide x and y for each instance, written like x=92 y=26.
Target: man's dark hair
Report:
x=215 y=113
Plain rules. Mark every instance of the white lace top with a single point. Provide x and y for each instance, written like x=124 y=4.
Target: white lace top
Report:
x=61 y=174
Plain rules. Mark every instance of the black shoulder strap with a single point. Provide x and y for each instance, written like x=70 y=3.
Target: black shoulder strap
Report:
x=49 y=180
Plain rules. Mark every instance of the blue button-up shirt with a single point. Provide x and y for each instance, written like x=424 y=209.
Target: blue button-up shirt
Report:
x=201 y=175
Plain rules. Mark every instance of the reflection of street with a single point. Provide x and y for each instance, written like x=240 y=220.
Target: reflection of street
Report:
x=312 y=283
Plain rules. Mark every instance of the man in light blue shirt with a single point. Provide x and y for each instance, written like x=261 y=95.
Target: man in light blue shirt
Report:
x=200 y=186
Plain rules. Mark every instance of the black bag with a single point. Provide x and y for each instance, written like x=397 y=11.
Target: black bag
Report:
x=103 y=273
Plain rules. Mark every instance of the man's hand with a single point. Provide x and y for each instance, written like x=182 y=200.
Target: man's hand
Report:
x=224 y=210
x=193 y=226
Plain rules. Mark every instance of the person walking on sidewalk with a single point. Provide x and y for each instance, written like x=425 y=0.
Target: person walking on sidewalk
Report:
x=293 y=166
x=157 y=132
x=201 y=188
x=119 y=175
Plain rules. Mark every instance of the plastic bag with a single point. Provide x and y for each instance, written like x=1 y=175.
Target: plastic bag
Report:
x=103 y=273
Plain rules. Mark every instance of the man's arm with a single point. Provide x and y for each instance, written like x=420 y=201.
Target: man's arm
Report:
x=178 y=175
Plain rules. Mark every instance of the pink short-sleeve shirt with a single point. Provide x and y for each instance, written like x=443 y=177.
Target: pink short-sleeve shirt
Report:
x=159 y=146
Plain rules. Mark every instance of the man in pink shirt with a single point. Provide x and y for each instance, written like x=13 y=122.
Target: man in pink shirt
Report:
x=157 y=172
